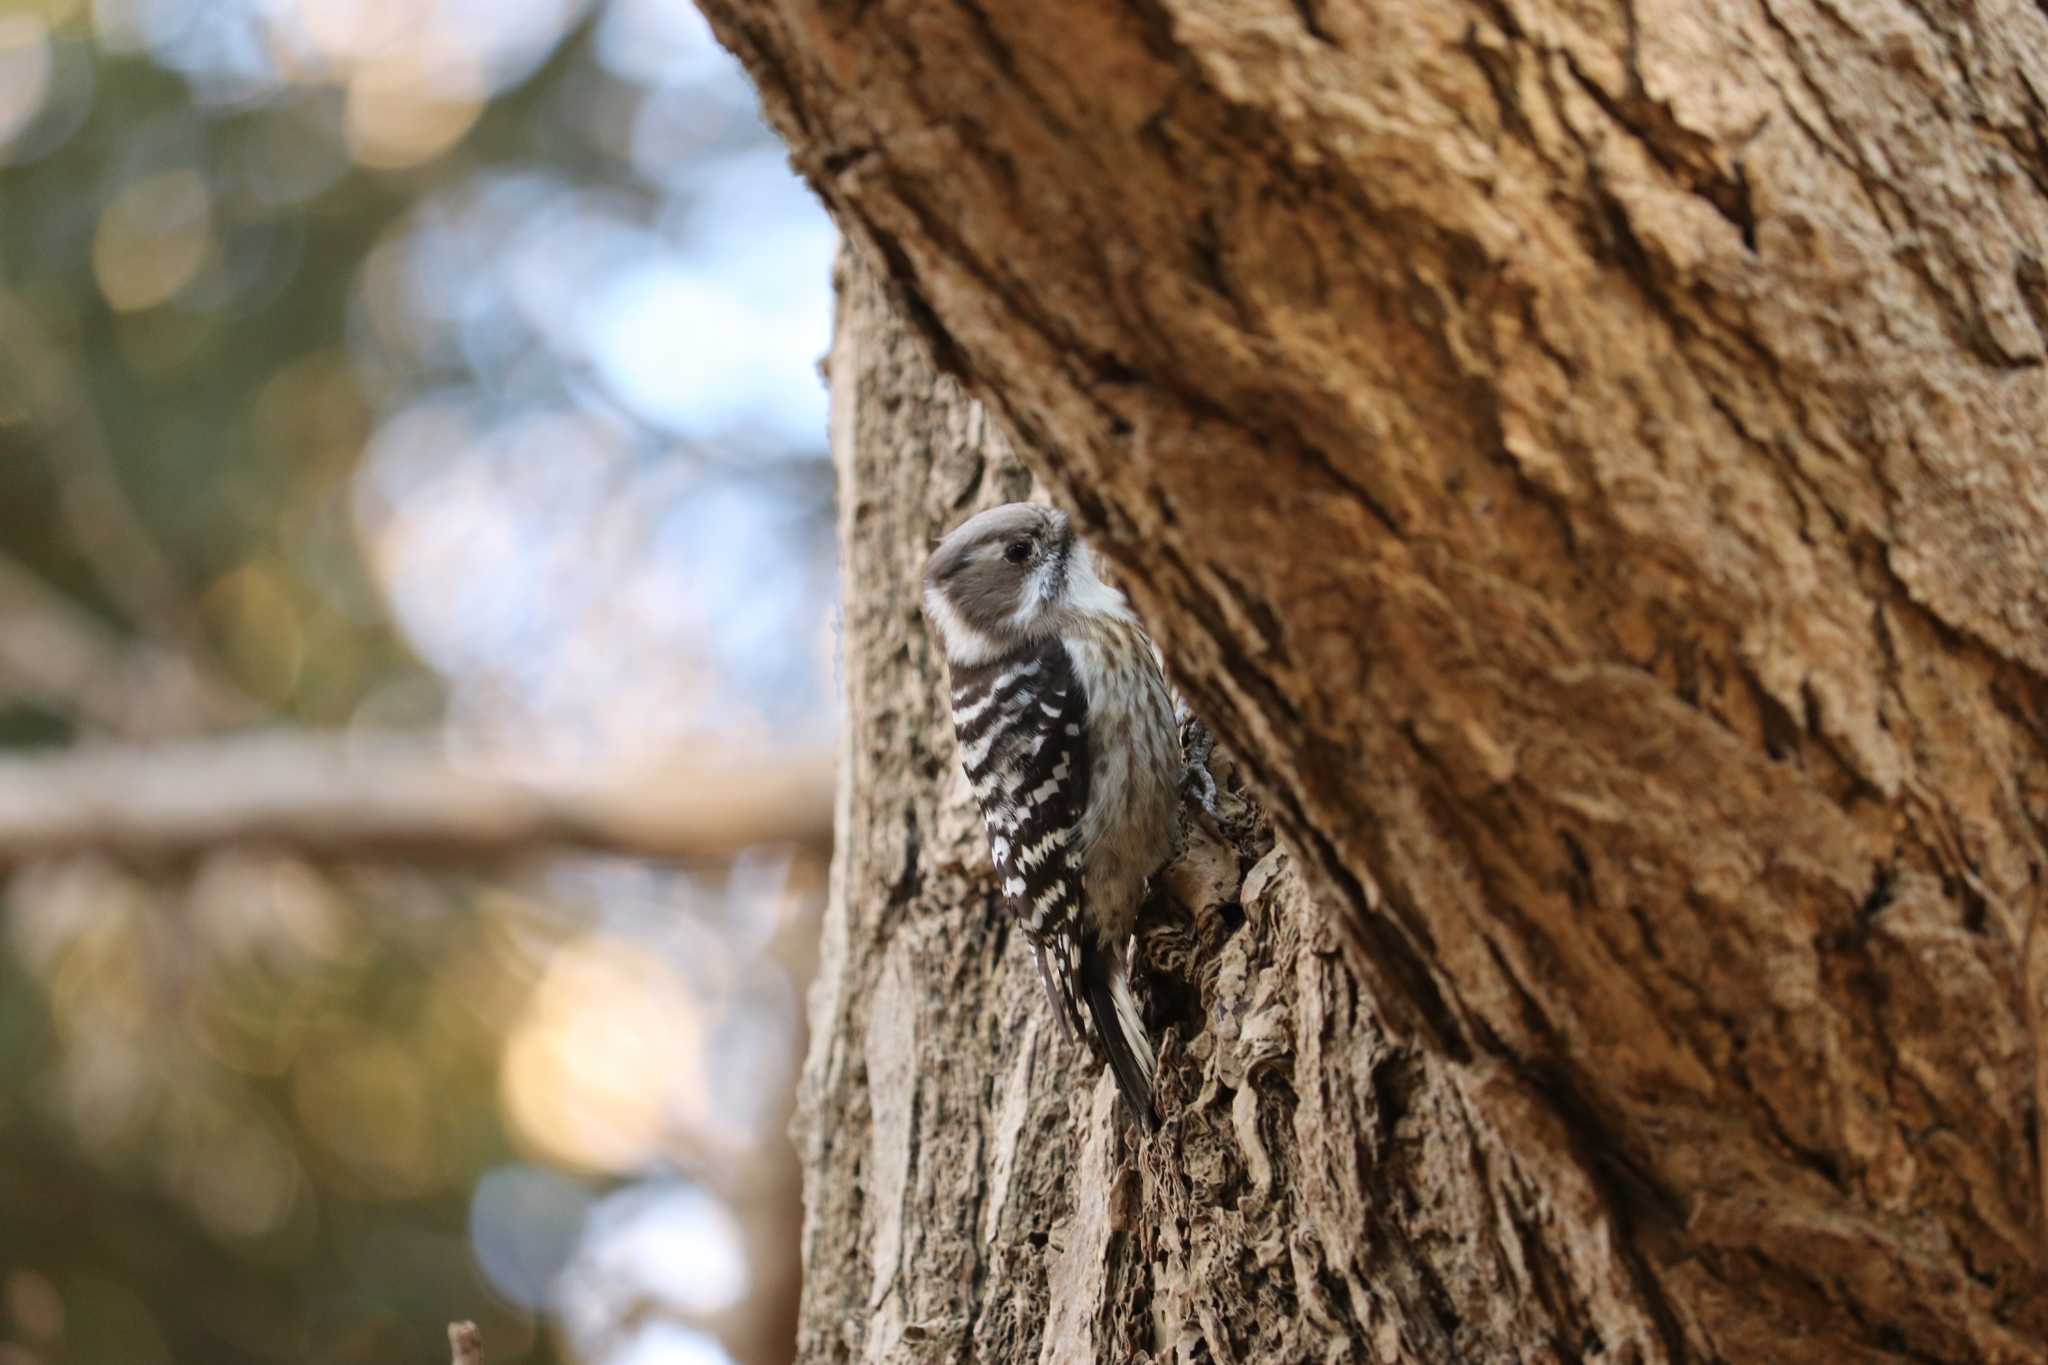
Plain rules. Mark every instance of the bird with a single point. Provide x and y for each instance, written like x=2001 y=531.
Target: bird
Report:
x=1066 y=729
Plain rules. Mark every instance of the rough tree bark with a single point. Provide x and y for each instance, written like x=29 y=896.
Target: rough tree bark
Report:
x=1581 y=459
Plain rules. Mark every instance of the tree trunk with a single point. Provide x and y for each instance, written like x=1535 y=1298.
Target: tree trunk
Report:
x=1581 y=460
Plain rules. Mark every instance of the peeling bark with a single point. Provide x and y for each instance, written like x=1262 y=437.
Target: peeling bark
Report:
x=1581 y=459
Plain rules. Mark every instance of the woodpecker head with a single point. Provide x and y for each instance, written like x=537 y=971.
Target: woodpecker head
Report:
x=1009 y=575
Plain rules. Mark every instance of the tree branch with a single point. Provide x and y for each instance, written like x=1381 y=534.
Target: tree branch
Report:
x=124 y=557
x=396 y=796
x=58 y=655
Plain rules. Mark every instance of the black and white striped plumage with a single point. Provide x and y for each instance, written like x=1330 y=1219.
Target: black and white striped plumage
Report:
x=1067 y=734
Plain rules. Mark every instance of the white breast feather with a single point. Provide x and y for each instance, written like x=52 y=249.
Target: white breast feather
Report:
x=1088 y=594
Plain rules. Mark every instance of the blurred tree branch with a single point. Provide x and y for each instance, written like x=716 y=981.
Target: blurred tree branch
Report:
x=104 y=526
x=58 y=655
x=396 y=795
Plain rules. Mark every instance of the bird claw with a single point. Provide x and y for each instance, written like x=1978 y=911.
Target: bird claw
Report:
x=1197 y=783
x=1199 y=786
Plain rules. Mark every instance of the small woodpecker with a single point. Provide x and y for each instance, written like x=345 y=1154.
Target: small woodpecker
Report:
x=1067 y=732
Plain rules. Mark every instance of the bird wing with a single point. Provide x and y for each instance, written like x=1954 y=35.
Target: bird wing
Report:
x=1022 y=722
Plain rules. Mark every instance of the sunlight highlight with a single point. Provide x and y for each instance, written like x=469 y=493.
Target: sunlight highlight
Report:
x=153 y=239
x=604 y=1066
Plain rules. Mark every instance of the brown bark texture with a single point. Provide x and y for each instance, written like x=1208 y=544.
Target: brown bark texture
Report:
x=1582 y=460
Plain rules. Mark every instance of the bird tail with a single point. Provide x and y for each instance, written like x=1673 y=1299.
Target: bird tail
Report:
x=1106 y=986
x=1065 y=1008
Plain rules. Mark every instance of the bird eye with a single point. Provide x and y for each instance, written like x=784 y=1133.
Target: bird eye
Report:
x=1017 y=551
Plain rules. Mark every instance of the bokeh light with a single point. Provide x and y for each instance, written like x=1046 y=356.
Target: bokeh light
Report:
x=603 y=1064
x=438 y=369
x=152 y=239
x=25 y=68
x=525 y=1222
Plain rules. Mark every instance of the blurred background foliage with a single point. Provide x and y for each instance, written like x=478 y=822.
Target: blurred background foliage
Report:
x=434 y=366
